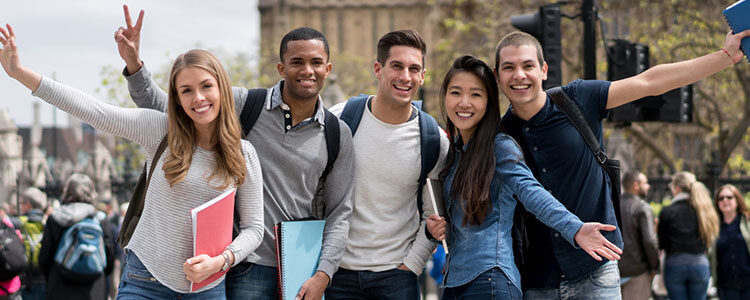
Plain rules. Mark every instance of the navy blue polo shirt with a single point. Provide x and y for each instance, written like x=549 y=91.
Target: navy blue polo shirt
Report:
x=562 y=162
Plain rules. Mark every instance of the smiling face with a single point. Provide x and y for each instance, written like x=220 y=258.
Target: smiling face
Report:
x=199 y=97
x=401 y=76
x=727 y=202
x=520 y=75
x=305 y=68
x=466 y=103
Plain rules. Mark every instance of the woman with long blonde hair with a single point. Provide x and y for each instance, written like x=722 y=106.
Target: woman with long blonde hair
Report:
x=686 y=228
x=205 y=157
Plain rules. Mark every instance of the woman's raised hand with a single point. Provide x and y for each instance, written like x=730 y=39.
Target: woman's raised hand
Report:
x=12 y=64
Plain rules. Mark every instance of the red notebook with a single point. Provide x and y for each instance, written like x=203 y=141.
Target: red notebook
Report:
x=212 y=230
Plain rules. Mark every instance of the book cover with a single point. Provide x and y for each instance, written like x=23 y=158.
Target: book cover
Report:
x=212 y=230
x=298 y=247
x=435 y=188
x=738 y=17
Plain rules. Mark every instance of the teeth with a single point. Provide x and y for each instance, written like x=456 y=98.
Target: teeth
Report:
x=464 y=115
x=202 y=108
x=520 y=87
x=402 y=88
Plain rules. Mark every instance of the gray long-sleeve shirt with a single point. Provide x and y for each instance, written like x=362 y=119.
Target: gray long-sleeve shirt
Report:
x=292 y=163
x=163 y=239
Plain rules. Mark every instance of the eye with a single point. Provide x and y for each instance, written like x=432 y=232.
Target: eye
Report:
x=208 y=85
x=476 y=95
x=454 y=93
x=185 y=91
x=414 y=70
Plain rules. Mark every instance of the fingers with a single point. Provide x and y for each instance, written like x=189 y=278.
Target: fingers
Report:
x=5 y=33
x=593 y=254
x=612 y=247
x=118 y=34
x=606 y=227
x=139 y=22
x=126 y=11
x=301 y=293
x=10 y=30
x=743 y=34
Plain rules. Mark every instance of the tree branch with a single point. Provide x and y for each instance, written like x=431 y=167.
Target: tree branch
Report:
x=637 y=131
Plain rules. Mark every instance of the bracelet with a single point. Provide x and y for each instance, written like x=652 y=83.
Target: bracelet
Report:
x=730 y=56
x=226 y=262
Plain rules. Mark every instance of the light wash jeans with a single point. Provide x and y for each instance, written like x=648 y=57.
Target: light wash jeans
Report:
x=602 y=284
x=138 y=283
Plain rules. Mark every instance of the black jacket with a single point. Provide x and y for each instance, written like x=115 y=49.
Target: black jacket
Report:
x=57 y=286
x=678 y=228
x=641 y=252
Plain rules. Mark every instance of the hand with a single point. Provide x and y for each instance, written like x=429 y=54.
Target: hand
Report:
x=12 y=64
x=314 y=287
x=198 y=268
x=9 y=53
x=594 y=243
x=732 y=45
x=129 y=41
x=436 y=225
x=403 y=267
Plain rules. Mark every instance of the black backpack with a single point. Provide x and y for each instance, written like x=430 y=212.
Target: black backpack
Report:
x=12 y=253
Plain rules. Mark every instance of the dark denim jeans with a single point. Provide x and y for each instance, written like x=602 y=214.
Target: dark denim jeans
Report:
x=251 y=281
x=138 y=283
x=391 y=284
x=728 y=294
x=492 y=284
x=687 y=281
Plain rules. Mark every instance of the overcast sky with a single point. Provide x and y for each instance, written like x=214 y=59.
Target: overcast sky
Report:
x=74 y=39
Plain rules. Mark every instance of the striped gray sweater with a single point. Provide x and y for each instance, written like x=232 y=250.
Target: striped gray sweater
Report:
x=163 y=239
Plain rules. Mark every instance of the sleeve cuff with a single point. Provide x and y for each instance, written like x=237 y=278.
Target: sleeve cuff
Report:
x=570 y=232
x=328 y=268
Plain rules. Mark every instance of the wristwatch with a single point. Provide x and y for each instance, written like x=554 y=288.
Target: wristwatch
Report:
x=225 y=267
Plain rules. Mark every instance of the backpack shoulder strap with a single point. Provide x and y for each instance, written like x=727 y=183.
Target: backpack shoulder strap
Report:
x=574 y=114
x=352 y=113
x=429 y=143
x=333 y=136
x=251 y=111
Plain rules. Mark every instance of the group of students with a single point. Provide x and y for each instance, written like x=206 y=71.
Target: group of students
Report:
x=376 y=239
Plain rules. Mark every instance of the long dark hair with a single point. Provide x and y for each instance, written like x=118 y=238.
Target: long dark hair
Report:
x=476 y=168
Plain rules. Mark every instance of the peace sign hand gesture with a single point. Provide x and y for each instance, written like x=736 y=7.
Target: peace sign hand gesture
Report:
x=129 y=41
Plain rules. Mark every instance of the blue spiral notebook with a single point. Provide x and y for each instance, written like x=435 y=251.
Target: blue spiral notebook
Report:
x=298 y=247
x=738 y=17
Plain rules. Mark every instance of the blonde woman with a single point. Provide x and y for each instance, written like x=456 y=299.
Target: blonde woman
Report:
x=206 y=156
x=686 y=228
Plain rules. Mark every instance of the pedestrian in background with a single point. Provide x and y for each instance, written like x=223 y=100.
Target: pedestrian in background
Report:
x=730 y=258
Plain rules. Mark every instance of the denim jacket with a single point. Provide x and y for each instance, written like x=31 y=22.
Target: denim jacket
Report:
x=475 y=249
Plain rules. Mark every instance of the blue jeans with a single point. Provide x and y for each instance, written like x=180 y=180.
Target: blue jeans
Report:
x=389 y=284
x=686 y=280
x=492 y=284
x=728 y=294
x=34 y=291
x=603 y=283
x=138 y=283
x=251 y=281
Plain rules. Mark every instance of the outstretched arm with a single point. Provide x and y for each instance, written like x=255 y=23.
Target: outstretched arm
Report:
x=666 y=77
x=12 y=63
x=129 y=41
x=145 y=127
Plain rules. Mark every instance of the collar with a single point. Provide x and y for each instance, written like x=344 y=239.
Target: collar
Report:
x=276 y=101
x=680 y=197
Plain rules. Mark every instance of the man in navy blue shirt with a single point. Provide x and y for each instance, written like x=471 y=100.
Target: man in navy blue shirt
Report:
x=561 y=161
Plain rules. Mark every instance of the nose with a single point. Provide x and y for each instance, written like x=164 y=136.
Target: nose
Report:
x=199 y=96
x=307 y=69
x=519 y=74
x=403 y=75
x=464 y=101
